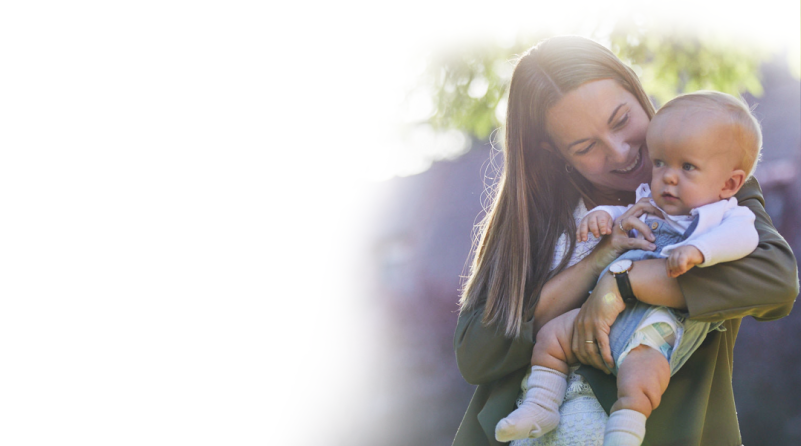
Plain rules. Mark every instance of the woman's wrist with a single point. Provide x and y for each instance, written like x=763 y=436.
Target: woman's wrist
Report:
x=601 y=257
x=611 y=293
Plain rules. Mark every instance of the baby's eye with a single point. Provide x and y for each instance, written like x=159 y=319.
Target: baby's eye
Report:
x=687 y=166
x=658 y=163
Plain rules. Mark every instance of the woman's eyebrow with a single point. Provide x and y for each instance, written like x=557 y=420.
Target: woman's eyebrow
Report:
x=612 y=117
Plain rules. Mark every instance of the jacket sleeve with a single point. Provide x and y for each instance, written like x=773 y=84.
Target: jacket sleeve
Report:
x=763 y=285
x=484 y=354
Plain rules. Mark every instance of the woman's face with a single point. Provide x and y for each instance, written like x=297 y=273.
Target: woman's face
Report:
x=599 y=128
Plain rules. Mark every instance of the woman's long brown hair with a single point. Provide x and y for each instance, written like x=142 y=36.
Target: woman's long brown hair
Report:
x=535 y=197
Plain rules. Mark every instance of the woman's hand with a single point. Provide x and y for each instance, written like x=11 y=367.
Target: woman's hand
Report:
x=618 y=242
x=593 y=323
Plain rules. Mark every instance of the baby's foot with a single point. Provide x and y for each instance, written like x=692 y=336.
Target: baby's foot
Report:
x=625 y=427
x=539 y=412
x=528 y=421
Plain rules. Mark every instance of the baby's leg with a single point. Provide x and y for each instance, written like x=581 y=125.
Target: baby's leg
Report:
x=641 y=380
x=539 y=412
x=553 y=348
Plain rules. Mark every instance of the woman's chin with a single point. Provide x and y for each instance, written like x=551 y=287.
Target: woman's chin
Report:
x=630 y=180
x=629 y=183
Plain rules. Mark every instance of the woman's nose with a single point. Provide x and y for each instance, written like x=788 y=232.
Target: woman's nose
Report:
x=619 y=151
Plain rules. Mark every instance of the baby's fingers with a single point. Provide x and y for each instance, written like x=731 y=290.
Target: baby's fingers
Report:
x=594 y=227
x=671 y=270
x=605 y=224
x=684 y=265
x=581 y=234
x=677 y=265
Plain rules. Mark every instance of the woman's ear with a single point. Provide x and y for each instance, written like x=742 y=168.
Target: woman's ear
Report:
x=732 y=184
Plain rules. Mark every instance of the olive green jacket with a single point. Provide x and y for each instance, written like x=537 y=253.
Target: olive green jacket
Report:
x=698 y=406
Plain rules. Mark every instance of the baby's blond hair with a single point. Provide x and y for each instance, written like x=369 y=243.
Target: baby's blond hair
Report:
x=746 y=128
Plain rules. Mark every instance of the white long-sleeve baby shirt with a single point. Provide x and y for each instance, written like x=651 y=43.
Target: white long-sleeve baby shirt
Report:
x=725 y=230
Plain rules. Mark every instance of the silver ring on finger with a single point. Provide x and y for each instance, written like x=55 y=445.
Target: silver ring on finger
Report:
x=620 y=225
x=590 y=342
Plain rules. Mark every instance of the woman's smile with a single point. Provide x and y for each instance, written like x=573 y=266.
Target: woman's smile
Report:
x=599 y=129
x=631 y=168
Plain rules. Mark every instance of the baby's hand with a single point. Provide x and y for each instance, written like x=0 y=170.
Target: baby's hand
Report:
x=597 y=222
x=682 y=259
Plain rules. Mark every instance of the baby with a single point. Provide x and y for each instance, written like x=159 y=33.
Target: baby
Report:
x=703 y=147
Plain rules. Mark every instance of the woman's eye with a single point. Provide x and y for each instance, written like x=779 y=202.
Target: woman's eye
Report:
x=622 y=121
x=585 y=150
x=687 y=166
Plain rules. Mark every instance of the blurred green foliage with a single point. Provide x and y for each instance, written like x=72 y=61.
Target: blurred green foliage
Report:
x=469 y=85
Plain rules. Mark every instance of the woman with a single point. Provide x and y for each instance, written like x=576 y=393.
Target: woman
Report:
x=575 y=138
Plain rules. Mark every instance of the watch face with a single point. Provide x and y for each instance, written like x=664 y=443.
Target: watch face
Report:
x=620 y=266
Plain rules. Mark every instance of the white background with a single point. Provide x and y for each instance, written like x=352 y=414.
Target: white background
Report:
x=179 y=200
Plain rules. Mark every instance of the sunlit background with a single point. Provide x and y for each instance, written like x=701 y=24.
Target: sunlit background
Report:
x=244 y=223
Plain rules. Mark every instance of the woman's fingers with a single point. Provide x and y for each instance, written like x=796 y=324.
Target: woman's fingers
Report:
x=577 y=340
x=582 y=332
x=605 y=350
x=622 y=242
x=632 y=222
x=643 y=206
x=593 y=356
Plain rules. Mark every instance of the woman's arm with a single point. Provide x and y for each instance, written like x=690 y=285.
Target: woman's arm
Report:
x=763 y=285
x=485 y=354
x=569 y=289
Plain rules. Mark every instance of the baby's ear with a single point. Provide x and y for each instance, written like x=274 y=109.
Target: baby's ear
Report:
x=732 y=184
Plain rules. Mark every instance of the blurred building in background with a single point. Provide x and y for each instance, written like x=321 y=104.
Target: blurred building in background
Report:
x=419 y=241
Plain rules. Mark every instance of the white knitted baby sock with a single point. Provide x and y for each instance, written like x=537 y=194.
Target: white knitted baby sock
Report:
x=539 y=412
x=625 y=427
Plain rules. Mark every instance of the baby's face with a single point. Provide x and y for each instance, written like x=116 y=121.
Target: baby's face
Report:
x=692 y=159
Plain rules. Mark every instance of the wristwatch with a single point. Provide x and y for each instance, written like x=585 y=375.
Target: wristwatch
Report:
x=620 y=269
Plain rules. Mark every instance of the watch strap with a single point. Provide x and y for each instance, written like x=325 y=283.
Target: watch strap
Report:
x=624 y=286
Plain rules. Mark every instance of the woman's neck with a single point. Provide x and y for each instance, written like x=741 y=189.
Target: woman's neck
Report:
x=612 y=198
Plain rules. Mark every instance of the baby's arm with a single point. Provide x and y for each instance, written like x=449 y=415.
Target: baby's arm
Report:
x=683 y=258
x=732 y=239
